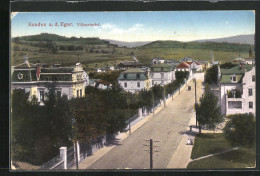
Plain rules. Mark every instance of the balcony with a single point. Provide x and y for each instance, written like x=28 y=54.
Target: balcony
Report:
x=234 y=94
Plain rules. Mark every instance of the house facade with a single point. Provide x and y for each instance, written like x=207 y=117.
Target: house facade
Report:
x=129 y=65
x=134 y=80
x=162 y=74
x=237 y=90
x=196 y=66
x=157 y=60
x=100 y=84
x=34 y=78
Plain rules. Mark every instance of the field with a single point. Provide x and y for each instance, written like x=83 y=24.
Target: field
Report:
x=94 y=53
x=206 y=144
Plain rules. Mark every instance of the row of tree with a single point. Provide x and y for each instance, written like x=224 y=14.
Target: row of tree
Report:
x=39 y=131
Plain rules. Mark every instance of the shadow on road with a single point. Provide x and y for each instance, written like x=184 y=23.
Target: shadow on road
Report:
x=113 y=142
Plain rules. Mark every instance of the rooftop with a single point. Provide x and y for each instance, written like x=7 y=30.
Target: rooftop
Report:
x=130 y=64
x=133 y=74
x=161 y=68
x=236 y=70
x=134 y=70
x=183 y=65
x=226 y=74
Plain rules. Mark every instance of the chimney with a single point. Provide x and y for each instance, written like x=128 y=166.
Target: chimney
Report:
x=38 y=71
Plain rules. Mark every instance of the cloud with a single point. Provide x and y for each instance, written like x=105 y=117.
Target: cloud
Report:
x=227 y=22
x=108 y=26
x=136 y=27
x=113 y=29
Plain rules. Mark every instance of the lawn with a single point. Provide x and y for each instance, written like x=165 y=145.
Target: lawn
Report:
x=206 y=144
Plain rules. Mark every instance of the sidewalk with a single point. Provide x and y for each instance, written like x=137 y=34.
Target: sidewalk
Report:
x=120 y=137
x=181 y=156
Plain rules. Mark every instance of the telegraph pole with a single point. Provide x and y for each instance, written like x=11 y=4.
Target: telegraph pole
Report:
x=164 y=96
x=151 y=149
x=77 y=161
x=172 y=93
x=153 y=102
x=129 y=125
x=151 y=154
x=196 y=99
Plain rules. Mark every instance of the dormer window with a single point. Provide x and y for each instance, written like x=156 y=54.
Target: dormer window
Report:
x=125 y=76
x=138 y=76
x=233 y=78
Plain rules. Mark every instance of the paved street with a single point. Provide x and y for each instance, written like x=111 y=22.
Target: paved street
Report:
x=167 y=126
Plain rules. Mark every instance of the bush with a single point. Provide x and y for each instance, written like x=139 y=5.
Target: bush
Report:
x=211 y=76
x=182 y=74
x=241 y=130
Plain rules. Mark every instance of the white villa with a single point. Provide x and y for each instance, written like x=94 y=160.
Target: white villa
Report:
x=237 y=90
x=184 y=66
x=134 y=80
x=196 y=66
x=34 y=78
x=162 y=74
x=157 y=60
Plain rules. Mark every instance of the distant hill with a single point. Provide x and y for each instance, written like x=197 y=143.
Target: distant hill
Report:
x=127 y=44
x=241 y=39
x=43 y=37
x=208 y=45
x=58 y=38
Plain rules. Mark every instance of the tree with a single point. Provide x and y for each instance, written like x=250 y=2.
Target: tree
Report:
x=208 y=111
x=37 y=132
x=241 y=130
x=22 y=138
x=182 y=74
x=211 y=76
x=227 y=65
x=88 y=113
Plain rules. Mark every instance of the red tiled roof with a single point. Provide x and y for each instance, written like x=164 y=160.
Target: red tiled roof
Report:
x=183 y=65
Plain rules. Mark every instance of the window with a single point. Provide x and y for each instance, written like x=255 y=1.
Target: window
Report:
x=42 y=95
x=250 y=92
x=125 y=84
x=77 y=93
x=152 y=75
x=250 y=105
x=152 y=82
x=58 y=93
x=138 y=84
x=234 y=78
x=253 y=78
x=80 y=92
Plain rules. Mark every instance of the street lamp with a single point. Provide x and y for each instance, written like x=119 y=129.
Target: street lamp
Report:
x=128 y=103
x=75 y=142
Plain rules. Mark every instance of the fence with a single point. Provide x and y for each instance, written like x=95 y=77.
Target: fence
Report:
x=67 y=158
x=58 y=162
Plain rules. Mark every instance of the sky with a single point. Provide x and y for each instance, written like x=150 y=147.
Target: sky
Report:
x=137 y=26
